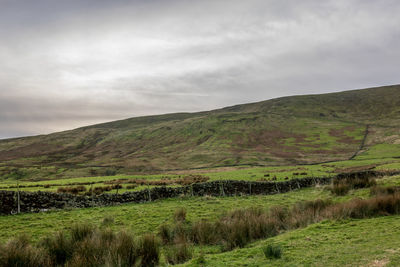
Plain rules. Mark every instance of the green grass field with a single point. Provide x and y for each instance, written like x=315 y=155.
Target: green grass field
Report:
x=232 y=173
x=367 y=242
x=316 y=245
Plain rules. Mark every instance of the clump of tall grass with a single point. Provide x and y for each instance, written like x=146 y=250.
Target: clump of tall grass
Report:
x=149 y=250
x=165 y=231
x=178 y=253
x=107 y=221
x=82 y=245
x=341 y=187
x=273 y=251
x=387 y=190
x=20 y=252
x=180 y=215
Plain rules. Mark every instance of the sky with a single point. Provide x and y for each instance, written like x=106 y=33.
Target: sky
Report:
x=71 y=63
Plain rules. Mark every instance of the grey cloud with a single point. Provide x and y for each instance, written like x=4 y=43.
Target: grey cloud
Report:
x=65 y=64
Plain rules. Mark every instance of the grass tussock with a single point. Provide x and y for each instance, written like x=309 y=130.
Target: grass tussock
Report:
x=20 y=252
x=82 y=245
x=180 y=215
x=341 y=187
x=380 y=190
x=273 y=251
x=149 y=250
x=178 y=253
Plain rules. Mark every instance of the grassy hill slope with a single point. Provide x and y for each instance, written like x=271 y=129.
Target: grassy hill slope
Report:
x=289 y=130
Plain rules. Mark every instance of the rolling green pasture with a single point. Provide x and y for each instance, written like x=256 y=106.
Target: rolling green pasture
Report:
x=367 y=242
x=232 y=173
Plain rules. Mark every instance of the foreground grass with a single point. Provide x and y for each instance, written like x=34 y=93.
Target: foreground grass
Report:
x=306 y=247
x=366 y=242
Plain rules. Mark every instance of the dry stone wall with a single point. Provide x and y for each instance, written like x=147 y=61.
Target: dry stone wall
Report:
x=42 y=201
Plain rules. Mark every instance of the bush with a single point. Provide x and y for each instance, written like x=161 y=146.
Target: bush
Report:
x=178 y=253
x=272 y=251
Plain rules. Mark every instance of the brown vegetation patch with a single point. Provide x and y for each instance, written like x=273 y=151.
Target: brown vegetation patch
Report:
x=342 y=137
x=355 y=169
x=186 y=180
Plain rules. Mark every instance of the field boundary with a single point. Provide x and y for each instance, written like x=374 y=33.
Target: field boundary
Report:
x=44 y=201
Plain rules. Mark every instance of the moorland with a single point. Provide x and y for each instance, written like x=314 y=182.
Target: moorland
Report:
x=270 y=141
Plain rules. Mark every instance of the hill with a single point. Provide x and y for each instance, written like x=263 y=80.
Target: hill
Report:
x=290 y=130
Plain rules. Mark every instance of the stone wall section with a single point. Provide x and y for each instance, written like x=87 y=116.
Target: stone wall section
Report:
x=43 y=201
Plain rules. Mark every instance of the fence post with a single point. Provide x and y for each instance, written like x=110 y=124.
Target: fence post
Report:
x=222 y=188
x=148 y=189
x=18 y=199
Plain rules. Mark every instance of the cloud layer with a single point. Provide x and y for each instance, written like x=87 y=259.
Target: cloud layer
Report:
x=66 y=64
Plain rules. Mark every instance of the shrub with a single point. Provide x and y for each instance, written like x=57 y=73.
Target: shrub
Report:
x=149 y=250
x=272 y=251
x=178 y=253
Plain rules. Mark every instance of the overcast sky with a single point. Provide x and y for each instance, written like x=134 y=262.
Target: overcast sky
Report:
x=70 y=63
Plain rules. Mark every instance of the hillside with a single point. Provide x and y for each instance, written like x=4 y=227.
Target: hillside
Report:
x=290 y=130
